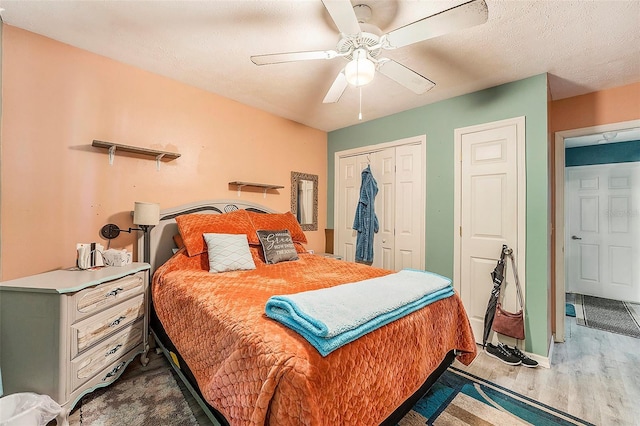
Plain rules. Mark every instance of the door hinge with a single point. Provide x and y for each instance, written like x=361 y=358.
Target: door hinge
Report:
x=461 y=231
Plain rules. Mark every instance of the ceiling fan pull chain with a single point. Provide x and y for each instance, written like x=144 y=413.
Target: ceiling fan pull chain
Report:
x=360 y=113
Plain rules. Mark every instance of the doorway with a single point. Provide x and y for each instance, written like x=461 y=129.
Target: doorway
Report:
x=560 y=211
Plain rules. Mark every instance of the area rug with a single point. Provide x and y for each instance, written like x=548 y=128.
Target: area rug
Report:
x=460 y=398
x=150 y=399
x=608 y=315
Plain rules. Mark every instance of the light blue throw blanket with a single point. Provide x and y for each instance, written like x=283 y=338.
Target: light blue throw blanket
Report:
x=331 y=317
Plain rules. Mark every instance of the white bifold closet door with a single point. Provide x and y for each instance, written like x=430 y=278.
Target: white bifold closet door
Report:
x=399 y=205
x=347 y=196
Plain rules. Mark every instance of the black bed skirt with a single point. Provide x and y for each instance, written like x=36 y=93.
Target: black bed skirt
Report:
x=158 y=333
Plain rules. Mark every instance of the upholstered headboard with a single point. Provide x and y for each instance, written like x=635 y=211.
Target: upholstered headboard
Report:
x=161 y=235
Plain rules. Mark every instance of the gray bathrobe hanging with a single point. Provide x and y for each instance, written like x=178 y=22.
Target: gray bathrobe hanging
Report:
x=366 y=221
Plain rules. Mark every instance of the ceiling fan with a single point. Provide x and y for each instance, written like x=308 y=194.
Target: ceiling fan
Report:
x=362 y=44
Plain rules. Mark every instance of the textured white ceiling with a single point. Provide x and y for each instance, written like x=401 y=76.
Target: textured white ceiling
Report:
x=584 y=45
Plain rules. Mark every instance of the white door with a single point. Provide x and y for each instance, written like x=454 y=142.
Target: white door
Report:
x=603 y=239
x=383 y=168
x=488 y=213
x=348 y=194
x=409 y=204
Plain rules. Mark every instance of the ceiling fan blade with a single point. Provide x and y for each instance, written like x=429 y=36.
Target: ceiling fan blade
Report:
x=463 y=16
x=336 y=90
x=342 y=13
x=405 y=76
x=277 y=58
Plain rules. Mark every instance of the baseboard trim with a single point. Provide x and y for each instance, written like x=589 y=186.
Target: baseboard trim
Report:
x=544 y=361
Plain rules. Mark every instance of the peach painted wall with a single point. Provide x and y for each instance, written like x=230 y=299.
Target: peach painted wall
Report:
x=603 y=107
x=58 y=190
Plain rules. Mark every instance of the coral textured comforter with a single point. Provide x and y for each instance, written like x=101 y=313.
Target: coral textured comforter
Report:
x=256 y=371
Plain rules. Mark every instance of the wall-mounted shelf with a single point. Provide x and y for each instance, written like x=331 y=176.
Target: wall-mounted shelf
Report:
x=158 y=155
x=264 y=186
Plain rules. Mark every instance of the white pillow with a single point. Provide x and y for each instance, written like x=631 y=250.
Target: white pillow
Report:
x=228 y=252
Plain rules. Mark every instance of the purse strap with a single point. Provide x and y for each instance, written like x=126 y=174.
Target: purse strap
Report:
x=515 y=275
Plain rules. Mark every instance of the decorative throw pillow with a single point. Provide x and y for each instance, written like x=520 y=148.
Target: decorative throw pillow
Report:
x=278 y=221
x=178 y=240
x=277 y=246
x=228 y=252
x=193 y=226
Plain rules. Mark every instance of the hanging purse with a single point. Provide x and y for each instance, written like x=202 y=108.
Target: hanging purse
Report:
x=508 y=323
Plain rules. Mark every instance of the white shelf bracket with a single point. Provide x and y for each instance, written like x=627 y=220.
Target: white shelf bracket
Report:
x=264 y=193
x=158 y=158
x=112 y=154
x=240 y=189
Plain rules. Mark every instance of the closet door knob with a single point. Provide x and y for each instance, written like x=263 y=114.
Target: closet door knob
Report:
x=573 y=237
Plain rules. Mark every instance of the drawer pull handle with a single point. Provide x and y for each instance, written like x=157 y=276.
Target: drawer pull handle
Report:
x=113 y=351
x=117 y=321
x=114 y=371
x=114 y=292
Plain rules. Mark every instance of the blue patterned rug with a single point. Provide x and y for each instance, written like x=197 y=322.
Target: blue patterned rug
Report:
x=463 y=399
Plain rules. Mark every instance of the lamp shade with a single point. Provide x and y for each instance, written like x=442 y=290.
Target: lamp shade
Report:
x=360 y=70
x=146 y=213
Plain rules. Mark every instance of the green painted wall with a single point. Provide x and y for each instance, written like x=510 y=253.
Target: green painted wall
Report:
x=608 y=153
x=527 y=98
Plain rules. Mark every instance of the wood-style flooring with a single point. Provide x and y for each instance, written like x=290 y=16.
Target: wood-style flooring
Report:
x=594 y=375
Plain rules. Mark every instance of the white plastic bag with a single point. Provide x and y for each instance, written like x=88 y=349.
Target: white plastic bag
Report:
x=27 y=409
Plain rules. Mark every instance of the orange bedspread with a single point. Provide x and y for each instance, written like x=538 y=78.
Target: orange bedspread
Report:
x=257 y=371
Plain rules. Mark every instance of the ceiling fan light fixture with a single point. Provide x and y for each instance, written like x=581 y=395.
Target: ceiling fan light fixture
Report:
x=360 y=70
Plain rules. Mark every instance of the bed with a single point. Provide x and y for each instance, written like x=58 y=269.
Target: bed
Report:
x=246 y=368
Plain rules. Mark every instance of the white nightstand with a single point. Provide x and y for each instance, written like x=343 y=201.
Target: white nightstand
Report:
x=66 y=333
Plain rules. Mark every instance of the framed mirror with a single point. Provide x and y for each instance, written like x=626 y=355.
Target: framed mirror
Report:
x=304 y=200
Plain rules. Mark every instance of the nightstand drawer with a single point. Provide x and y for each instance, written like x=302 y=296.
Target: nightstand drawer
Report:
x=93 y=329
x=87 y=365
x=106 y=376
x=95 y=299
